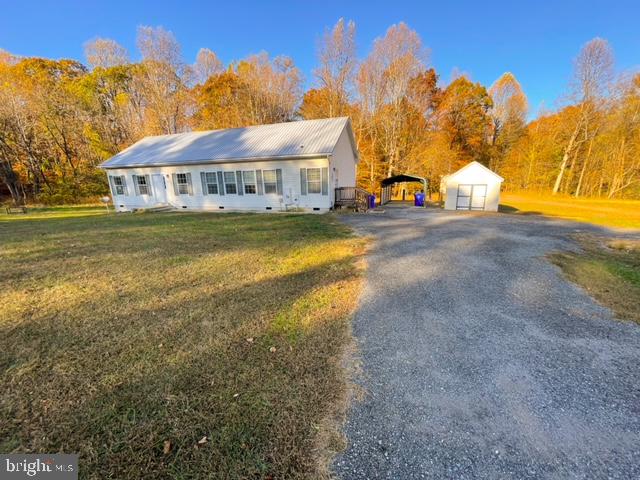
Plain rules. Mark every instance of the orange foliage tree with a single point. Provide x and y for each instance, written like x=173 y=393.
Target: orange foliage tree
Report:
x=60 y=119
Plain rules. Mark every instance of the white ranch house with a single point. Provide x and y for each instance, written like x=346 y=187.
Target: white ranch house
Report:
x=295 y=165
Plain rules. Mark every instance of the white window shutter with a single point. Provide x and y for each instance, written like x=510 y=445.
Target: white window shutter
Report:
x=148 y=180
x=135 y=184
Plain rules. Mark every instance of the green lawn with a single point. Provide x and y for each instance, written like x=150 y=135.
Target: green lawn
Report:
x=609 y=271
x=175 y=345
x=608 y=213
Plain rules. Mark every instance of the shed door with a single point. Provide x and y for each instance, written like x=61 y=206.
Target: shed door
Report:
x=471 y=197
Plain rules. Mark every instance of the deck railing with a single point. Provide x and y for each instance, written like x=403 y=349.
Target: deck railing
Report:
x=355 y=197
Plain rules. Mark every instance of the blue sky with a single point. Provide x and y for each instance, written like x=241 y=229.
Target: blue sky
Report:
x=535 y=40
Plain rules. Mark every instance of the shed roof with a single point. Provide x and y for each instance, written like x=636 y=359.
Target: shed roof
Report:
x=301 y=139
x=476 y=165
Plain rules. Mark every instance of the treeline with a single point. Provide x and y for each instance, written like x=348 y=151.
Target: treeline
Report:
x=60 y=119
x=590 y=147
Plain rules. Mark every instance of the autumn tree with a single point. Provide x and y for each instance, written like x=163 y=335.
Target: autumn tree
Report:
x=220 y=102
x=116 y=105
x=606 y=163
x=105 y=53
x=207 y=64
x=531 y=161
x=336 y=70
x=162 y=76
x=593 y=71
x=9 y=158
x=383 y=83
x=316 y=103
x=508 y=116
x=44 y=134
x=60 y=119
x=274 y=87
x=617 y=149
x=256 y=90
x=464 y=119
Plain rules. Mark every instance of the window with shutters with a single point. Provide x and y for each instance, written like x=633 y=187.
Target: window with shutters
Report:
x=270 y=181
x=118 y=185
x=230 y=183
x=183 y=183
x=211 y=182
x=143 y=187
x=249 y=178
x=314 y=180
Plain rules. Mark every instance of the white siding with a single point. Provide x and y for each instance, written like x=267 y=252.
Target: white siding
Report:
x=472 y=175
x=342 y=171
x=291 y=197
x=343 y=162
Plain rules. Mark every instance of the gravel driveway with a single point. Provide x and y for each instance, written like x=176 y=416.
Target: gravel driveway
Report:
x=480 y=361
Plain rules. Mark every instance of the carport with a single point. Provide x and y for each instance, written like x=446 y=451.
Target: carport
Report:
x=388 y=183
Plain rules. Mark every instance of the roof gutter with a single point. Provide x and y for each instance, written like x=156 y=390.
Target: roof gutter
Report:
x=215 y=161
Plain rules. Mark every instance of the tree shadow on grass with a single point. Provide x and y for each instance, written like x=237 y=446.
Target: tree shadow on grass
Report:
x=503 y=208
x=113 y=382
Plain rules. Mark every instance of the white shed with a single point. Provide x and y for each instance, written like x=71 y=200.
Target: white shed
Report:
x=473 y=187
x=294 y=165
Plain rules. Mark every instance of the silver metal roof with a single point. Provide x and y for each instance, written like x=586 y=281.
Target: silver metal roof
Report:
x=306 y=138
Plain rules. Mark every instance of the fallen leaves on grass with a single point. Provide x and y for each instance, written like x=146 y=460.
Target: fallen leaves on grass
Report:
x=166 y=448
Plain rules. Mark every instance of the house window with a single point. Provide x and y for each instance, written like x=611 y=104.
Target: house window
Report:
x=118 y=185
x=314 y=180
x=211 y=182
x=249 y=178
x=143 y=187
x=270 y=182
x=230 y=183
x=183 y=183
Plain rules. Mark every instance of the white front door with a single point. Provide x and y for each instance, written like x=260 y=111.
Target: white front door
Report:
x=159 y=188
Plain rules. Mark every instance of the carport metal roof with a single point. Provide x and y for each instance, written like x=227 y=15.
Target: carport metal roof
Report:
x=404 y=177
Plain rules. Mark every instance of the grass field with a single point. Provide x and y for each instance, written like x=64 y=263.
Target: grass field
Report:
x=610 y=272
x=608 y=213
x=175 y=345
